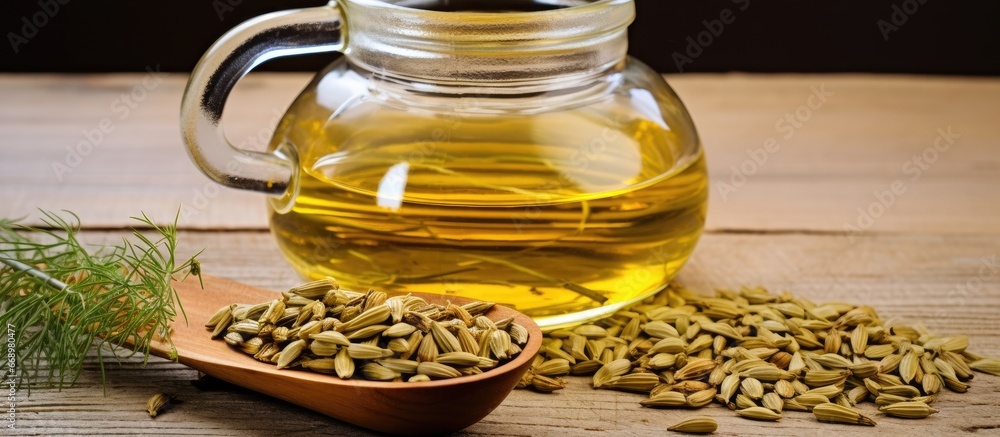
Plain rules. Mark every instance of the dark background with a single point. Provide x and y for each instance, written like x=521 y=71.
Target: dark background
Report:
x=940 y=37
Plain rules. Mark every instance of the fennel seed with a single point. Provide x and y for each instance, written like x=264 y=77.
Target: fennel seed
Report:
x=322 y=328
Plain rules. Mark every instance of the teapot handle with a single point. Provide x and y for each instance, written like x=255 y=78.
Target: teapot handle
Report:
x=277 y=34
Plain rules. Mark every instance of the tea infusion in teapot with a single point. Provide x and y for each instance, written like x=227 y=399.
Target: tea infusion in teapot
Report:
x=514 y=157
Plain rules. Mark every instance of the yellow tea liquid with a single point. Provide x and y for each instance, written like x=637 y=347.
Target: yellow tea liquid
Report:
x=564 y=216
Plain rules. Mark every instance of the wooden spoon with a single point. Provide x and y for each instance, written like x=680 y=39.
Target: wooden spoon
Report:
x=394 y=407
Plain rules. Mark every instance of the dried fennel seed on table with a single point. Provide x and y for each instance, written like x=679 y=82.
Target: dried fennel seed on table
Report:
x=319 y=327
x=760 y=354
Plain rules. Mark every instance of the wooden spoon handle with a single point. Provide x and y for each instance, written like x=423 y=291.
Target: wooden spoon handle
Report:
x=395 y=407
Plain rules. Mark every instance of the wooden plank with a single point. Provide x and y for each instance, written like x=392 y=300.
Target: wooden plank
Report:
x=854 y=144
x=908 y=278
x=141 y=164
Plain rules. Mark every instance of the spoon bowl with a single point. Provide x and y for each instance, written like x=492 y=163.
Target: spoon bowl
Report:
x=393 y=407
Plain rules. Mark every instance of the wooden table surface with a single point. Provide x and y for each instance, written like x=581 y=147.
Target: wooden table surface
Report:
x=814 y=218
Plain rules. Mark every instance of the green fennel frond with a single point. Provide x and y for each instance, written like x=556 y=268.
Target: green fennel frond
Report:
x=59 y=301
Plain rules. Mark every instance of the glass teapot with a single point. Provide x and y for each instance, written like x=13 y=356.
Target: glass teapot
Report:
x=503 y=150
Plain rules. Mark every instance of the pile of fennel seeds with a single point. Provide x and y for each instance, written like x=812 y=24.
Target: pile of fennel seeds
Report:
x=319 y=327
x=761 y=354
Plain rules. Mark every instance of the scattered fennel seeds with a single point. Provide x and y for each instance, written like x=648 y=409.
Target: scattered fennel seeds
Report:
x=834 y=413
x=159 y=403
x=319 y=327
x=696 y=425
x=762 y=354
